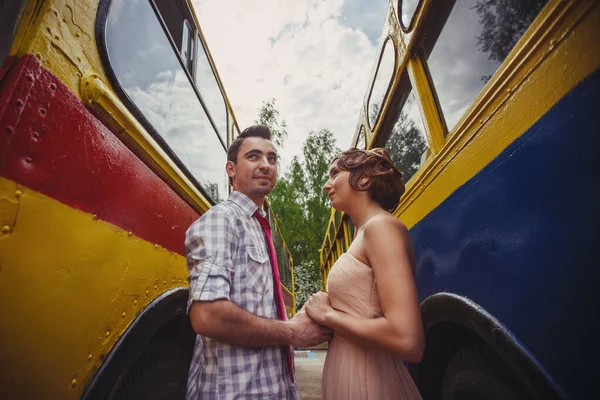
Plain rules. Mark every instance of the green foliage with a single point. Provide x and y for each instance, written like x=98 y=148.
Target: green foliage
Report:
x=301 y=205
x=269 y=116
x=302 y=209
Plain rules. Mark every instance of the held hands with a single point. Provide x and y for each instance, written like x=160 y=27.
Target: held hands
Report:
x=306 y=332
x=318 y=307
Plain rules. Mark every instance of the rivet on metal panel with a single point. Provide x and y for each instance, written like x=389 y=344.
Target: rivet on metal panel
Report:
x=147 y=292
x=19 y=103
x=35 y=135
x=73 y=383
x=107 y=334
x=130 y=233
x=123 y=315
x=164 y=282
x=53 y=86
x=43 y=111
x=30 y=77
x=90 y=356
x=95 y=217
x=135 y=302
x=18 y=194
x=9 y=129
x=6 y=229
x=155 y=287
x=28 y=160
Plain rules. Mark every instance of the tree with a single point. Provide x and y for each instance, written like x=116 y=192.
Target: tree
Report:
x=269 y=116
x=302 y=208
x=503 y=22
x=405 y=143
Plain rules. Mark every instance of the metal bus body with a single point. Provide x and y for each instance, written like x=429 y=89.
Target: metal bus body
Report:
x=100 y=176
x=502 y=203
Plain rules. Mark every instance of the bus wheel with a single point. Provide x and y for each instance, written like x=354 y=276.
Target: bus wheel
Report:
x=476 y=373
x=159 y=374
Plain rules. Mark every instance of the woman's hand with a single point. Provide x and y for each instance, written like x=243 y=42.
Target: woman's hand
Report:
x=318 y=307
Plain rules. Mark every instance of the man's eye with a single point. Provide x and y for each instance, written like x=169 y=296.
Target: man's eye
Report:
x=272 y=160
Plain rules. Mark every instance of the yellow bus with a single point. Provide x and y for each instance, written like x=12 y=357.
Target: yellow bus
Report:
x=114 y=128
x=490 y=109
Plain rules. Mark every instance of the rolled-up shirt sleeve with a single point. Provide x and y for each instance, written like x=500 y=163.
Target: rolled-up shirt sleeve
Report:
x=208 y=246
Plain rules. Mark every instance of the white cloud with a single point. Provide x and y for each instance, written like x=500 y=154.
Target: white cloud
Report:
x=299 y=52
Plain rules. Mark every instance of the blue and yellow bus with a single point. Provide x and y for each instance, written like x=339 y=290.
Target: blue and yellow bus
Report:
x=114 y=126
x=491 y=110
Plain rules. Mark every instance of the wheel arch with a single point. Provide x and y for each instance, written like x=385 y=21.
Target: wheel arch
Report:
x=165 y=316
x=452 y=322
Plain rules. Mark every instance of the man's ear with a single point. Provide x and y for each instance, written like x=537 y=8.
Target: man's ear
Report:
x=230 y=168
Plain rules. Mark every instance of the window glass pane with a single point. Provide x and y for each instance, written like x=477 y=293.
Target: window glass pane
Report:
x=210 y=92
x=383 y=76
x=186 y=45
x=475 y=40
x=332 y=233
x=407 y=143
x=408 y=8
x=351 y=229
x=361 y=141
x=149 y=71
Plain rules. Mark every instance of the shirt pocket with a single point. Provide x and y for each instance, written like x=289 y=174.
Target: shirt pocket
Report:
x=257 y=268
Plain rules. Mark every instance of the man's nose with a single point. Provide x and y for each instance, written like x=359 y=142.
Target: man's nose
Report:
x=327 y=186
x=264 y=163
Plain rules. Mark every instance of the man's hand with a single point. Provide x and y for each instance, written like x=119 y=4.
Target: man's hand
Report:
x=318 y=307
x=306 y=332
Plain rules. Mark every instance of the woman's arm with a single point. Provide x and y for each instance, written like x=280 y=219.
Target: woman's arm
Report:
x=399 y=331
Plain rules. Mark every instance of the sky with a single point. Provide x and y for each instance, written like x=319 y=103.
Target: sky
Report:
x=314 y=57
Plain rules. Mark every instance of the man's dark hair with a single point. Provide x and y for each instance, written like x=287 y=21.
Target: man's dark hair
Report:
x=252 y=131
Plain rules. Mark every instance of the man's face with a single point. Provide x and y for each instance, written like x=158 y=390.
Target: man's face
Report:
x=255 y=173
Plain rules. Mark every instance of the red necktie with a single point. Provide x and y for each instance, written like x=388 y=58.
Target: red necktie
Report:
x=264 y=223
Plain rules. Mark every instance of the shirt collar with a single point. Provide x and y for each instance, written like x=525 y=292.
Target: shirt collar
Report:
x=244 y=202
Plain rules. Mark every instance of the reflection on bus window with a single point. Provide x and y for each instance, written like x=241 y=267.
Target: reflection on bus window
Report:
x=383 y=77
x=361 y=142
x=407 y=143
x=150 y=73
x=186 y=45
x=407 y=12
x=477 y=37
x=210 y=92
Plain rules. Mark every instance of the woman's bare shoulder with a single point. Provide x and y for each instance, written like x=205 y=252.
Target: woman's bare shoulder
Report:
x=384 y=222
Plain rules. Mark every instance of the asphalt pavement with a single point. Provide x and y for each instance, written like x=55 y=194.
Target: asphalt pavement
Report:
x=309 y=370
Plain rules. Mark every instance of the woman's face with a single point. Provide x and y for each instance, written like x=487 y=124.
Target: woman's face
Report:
x=338 y=187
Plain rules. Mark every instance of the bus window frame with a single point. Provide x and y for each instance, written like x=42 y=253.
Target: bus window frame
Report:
x=390 y=84
x=413 y=18
x=100 y=27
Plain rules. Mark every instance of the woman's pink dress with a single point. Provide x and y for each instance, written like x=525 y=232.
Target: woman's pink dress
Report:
x=351 y=371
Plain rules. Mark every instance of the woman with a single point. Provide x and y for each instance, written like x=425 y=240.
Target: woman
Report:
x=371 y=302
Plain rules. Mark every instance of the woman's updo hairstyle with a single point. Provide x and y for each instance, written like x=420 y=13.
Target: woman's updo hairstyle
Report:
x=374 y=172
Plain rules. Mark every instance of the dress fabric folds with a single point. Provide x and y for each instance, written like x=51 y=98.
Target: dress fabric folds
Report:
x=351 y=371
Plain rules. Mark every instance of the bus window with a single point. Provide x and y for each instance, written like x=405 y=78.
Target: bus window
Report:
x=407 y=12
x=338 y=217
x=361 y=142
x=475 y=39
x=383 y=77
x=150 y=73
x=187 y=45
x=406 y=142
x=207 y=84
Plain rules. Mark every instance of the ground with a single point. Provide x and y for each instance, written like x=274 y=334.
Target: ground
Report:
x=308 y=375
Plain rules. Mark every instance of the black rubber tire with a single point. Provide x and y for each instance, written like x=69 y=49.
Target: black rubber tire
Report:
x=476 y=373
x=159 y=374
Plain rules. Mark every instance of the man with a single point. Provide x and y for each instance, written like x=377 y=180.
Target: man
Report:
x=242 y=347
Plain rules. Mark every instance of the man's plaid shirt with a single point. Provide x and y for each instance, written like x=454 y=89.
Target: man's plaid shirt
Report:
x=227 y=258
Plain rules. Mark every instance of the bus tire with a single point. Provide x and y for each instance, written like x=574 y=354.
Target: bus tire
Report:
x=476 y=373
x=159 y=374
